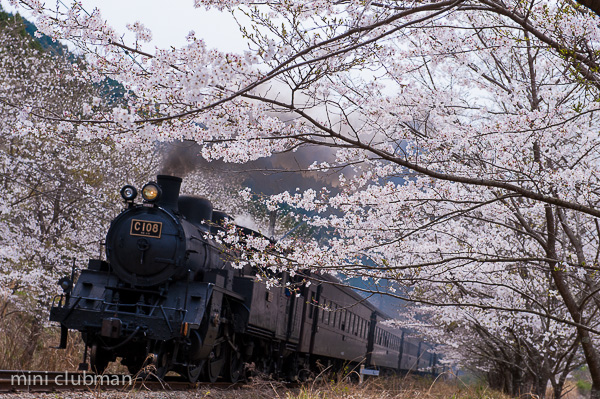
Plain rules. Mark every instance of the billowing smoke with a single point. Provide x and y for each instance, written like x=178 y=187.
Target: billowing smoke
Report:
x=280 y=172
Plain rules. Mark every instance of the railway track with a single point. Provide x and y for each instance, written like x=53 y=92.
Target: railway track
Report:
x=51 y=381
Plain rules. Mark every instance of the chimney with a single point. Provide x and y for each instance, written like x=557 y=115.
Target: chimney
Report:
x=169 y=186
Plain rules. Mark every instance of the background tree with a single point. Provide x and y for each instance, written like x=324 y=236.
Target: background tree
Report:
x=59 y=193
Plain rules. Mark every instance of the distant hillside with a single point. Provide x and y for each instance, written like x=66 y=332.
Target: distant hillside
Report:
x=110 y=89
x=44 y=43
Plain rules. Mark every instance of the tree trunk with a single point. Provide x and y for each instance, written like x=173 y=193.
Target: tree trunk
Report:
x=32 y=341
x=591 y=354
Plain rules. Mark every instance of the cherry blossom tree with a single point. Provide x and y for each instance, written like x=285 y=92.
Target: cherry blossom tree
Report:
x=463 y=132
x=60 y=193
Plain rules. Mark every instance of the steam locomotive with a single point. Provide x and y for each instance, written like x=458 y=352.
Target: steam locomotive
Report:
x=167 y=296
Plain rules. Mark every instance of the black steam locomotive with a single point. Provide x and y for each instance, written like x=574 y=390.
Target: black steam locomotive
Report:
x=168 y=296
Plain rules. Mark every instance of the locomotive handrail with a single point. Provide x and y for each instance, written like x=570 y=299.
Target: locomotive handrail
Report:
x=156 y=292
x=114 y=307
x=166 y=318
x=72 y=308
x=60 y=300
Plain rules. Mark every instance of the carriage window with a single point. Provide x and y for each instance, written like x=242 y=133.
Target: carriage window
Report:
x=343 y=319
x=331 y=313
x=335 y=315
x=358 y=326
x=364 y=329
x=311 y=305
x=361 y=327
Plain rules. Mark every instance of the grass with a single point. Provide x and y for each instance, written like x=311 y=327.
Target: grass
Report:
x=26 y=344
x=396 y=387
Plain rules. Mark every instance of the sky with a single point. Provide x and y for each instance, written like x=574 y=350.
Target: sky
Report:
x=169 y=24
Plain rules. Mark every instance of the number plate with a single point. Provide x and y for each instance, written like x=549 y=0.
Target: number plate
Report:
x=145 y=228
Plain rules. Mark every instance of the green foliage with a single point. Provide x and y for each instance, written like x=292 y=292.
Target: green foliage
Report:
x=109 y=89
x=18 y=26
x=45 y=42
x=584 y=386
x=27 y=29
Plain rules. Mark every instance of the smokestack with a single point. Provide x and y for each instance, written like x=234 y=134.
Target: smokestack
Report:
x=169 y=186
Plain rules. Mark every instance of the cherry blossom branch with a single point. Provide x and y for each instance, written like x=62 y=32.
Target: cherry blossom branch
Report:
x=482 y=182
x=473 y=305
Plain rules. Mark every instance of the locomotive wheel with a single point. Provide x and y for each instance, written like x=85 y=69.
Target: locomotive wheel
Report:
x=305 y=374
x=99 y=359
x=195 y=366
x=214 y=364
x=163 y=361
x=235 y=365
x=233 y=370
x=161 y=370
x=193 y=371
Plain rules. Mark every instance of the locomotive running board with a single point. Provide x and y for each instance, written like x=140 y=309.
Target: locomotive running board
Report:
x=88 y=306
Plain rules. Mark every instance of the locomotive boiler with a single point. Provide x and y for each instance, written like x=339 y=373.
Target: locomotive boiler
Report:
x=168 y=297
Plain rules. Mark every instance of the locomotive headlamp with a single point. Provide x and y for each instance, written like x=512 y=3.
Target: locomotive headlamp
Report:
x=66 y=284
x=151 y=192
x=128 y=193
